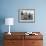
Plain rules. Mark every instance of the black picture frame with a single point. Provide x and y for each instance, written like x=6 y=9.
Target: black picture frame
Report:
x=26 y=15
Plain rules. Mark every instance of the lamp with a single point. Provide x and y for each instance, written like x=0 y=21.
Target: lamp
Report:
x=9 y=21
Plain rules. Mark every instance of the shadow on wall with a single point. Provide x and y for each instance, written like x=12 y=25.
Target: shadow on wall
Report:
x=2 y=21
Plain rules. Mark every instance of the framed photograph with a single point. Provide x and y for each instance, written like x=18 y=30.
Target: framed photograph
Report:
x=26 y=15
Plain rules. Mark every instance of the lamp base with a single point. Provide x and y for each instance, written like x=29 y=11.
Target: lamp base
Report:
x=9 y=33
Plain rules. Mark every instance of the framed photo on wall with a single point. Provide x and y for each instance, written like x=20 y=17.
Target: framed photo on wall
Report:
x=26 y=15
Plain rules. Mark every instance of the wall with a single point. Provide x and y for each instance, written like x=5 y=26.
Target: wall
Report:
x=9 y=8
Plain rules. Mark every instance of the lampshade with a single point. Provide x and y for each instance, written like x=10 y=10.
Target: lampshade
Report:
x=9 y=21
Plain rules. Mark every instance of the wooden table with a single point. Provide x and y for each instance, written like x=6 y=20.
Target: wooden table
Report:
x=20 y=39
